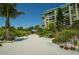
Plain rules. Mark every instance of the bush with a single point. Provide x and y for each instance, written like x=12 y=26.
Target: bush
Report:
x=44 y=33
x=65 y=36
x=20 y=33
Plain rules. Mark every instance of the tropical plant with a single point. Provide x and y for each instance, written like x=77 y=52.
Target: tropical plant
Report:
x=59 y=21
x=8 y=10
x=65 y=35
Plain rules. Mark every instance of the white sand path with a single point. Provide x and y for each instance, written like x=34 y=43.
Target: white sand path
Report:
x=34 y=45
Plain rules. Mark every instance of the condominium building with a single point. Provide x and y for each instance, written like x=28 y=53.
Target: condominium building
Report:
x=70 y=12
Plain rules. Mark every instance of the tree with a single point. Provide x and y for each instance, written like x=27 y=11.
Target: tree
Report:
x=8 y=10
x=37 y=27
x=12 y=28
x=19 y=28
x=31 y=28
x=59 y=21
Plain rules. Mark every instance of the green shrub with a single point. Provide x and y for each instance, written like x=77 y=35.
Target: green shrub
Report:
x=65 y=35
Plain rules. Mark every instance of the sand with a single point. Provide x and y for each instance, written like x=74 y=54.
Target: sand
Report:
x=34 y=45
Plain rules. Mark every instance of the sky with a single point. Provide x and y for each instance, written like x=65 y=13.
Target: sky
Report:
x=32 y=14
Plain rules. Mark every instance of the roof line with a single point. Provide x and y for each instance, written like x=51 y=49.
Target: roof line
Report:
x=47 y=11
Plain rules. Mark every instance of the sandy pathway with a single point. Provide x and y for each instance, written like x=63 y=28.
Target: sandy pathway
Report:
x=34 y=45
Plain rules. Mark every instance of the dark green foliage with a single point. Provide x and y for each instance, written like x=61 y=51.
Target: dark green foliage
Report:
x=2 y=31
x=52 y=27
x=38 y=29
x=60 y=19
x=19 y=28
x=9 y=8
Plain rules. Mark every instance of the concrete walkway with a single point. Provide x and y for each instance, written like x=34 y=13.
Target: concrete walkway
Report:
x=34 y=45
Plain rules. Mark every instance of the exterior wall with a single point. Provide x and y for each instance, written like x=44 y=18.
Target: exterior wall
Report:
x=49 y=18
x=70 y=12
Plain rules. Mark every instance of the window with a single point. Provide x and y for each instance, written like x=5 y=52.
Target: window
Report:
x=53 y=17
x=78 y=6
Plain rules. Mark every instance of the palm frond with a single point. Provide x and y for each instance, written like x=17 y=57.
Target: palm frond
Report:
x=12 y=11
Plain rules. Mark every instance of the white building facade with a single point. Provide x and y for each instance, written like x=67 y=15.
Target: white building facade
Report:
x=70 y=12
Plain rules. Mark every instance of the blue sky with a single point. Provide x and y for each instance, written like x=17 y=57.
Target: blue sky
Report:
x=32 y=14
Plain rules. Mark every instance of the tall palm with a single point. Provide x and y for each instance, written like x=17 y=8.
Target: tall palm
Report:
x=8 y=10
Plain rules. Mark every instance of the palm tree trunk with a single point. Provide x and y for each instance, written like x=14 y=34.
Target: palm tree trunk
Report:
x=8 y=29
x=7 y=25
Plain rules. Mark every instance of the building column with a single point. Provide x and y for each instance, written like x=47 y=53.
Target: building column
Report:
x=70 y=15
x=45 y=21
x=76 y=9
x=55 y=15
x=55 y=20
x=48 y=18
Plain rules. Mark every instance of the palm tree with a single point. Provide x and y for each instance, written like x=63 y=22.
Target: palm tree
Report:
x=8 y=10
